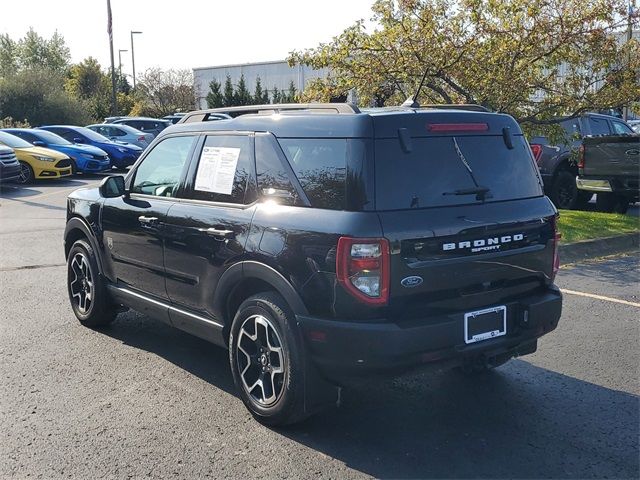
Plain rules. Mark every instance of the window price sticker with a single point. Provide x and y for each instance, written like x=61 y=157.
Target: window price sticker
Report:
x=217 y=169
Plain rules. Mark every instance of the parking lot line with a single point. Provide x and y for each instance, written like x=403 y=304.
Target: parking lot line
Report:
x=600 y=297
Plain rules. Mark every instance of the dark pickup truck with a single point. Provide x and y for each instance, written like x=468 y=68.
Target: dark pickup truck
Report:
x=558 y=164
x=610 y=167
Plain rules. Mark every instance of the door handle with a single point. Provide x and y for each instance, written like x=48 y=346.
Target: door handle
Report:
x=147 y=221
x=217 y=233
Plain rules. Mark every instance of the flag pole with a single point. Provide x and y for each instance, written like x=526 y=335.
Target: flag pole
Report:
x=114 y=104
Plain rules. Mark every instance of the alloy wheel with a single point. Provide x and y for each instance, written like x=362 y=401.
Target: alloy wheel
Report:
x=261 y=360
x=25 y=173
x=82 y=283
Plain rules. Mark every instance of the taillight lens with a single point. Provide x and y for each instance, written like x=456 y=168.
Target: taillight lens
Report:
x=537 y=151
x=581 y=156
x=457 y=127
x=556 y=241
x=362 y=268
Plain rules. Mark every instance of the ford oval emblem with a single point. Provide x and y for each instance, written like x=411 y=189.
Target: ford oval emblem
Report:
x=411 y=282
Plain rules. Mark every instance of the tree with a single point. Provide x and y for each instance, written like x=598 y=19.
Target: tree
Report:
x=166 y=91
x=36 y=51
x=241 y=94
x=276 y=96
x=538 y=60
x=8 y=55
x=85 y=79
x=228 y=97
x=214 y=97
x=260 y=96
x=290 y=95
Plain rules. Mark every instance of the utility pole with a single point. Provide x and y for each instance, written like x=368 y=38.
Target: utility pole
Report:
x=630 y=13
x=114 y=104
x=133 y=59
x=120 y=61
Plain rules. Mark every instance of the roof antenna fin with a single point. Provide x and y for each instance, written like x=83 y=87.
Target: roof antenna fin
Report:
x=412 y=102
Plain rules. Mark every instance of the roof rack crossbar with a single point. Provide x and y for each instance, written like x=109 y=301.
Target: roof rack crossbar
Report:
x=270 y=109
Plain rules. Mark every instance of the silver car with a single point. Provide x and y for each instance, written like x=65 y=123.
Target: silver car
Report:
x=123 y=133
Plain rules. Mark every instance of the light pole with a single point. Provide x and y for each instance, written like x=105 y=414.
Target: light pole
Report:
x=120 y=60
x=133 y=59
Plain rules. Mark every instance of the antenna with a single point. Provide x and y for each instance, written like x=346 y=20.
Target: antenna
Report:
x=412 y=102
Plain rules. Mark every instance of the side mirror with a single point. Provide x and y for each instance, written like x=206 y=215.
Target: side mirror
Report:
x=38 y=143
x=112 y=187
x=78 y=140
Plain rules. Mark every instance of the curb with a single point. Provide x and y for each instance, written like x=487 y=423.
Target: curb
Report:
x=598 y=247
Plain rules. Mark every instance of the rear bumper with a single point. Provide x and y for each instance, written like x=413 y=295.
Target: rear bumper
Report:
x=343 y=349
x=626 y=186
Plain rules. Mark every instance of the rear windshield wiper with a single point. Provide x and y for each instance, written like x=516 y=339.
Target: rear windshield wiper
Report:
x=479 y=191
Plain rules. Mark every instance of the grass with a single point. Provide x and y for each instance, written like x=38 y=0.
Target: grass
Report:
x=577 y=225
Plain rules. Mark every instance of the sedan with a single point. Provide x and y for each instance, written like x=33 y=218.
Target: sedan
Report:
x=84 y=158
x=121 y=154
x=36 y=162
x=123 y=133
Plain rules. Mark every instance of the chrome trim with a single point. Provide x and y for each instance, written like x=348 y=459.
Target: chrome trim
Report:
x=166 y=305
x=591 y=185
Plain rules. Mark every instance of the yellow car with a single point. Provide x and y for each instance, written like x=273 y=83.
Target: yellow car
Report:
x=36 y=162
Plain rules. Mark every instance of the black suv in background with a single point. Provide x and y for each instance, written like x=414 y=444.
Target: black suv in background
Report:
x=321 y=244
x=559 y=163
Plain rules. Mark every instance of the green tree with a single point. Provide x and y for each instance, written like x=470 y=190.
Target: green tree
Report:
x=260 y=96
x=538 y=60
x=228 y=97
x=241 y=94
x=85 y=79
x=290 y=95
x=214 y=97
x=8 y=55
x=36 y=51
x=276 y=97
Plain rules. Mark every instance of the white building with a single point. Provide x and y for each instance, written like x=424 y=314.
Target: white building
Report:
x=272 y=74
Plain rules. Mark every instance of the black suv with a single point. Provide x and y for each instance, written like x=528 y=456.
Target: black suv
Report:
x=321 y=244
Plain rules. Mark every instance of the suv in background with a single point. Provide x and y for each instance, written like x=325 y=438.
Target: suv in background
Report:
x=321 y=244
x=9 y=165
x=558 y=164
x=146 y=125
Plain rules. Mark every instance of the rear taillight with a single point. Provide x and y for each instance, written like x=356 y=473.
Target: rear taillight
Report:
x=457 y=127
x=581 y=156
x=537 y=151
x=556 y=240
x=362 y=268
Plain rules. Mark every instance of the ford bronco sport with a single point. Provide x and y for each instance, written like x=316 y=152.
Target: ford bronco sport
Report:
x=321 y=244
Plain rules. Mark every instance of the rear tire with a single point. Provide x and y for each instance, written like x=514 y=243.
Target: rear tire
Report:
x=266 y=354
x=87 y=291
x=564 y=192
x=611 y=203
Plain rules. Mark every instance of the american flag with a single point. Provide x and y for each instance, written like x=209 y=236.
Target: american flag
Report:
x=109 y=22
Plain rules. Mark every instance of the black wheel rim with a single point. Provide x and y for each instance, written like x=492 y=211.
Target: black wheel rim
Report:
x=81 y=283
x=261 y=360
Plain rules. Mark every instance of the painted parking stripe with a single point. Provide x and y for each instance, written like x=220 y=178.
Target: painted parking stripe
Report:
x=599 y=297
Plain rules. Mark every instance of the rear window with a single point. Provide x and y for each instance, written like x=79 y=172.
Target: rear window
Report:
x=435 y=170
x=599 y=126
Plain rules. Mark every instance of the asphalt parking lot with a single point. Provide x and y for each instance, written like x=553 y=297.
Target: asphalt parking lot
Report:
x=142 y=400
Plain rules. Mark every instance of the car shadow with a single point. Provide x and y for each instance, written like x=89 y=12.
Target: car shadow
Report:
x=520 y=421
x=609 y=271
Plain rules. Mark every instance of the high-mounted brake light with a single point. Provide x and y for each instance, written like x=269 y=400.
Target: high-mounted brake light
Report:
x=537 y=151
x=457 y=127
x=362 y=268
x=581 y=157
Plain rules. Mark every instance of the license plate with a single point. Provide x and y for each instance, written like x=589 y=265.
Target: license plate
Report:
x=485 y=324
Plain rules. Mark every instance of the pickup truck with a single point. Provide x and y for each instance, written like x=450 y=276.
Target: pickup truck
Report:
x=558 y=163
x=610 y=167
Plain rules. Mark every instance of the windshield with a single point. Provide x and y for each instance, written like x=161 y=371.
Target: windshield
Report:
x=93 y=136
x=50 y=138
x=13 y=141
x=449 y=170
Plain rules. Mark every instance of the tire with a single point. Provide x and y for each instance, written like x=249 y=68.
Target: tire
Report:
x=612 y=203
x=564 y=192
x=267 y=360
x=583 y=200
x=86 y=288
x=26 y=174
x=74 y=167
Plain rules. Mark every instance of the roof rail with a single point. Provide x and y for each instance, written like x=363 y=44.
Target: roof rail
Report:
x=458 y=106
x=268 y=109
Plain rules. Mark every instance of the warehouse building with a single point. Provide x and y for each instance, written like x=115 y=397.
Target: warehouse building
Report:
x=276 y=74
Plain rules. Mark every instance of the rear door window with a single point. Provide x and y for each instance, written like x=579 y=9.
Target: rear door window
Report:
x=438 y=170
x=599 y=126
x=620 y=128
x=272 y=174
x=225 y=170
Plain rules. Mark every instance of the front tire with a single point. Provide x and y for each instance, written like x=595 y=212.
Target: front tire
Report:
x=87 y=291
x=267 y=360
x=26 y=174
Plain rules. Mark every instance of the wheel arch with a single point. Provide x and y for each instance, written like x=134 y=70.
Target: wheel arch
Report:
x=247 y=278
x=77 y=229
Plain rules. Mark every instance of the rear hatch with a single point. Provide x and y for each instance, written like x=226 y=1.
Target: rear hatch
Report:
x=611 y=156
x=460 y=201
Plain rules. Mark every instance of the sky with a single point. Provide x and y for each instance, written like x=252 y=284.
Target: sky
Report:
x=184 y=33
